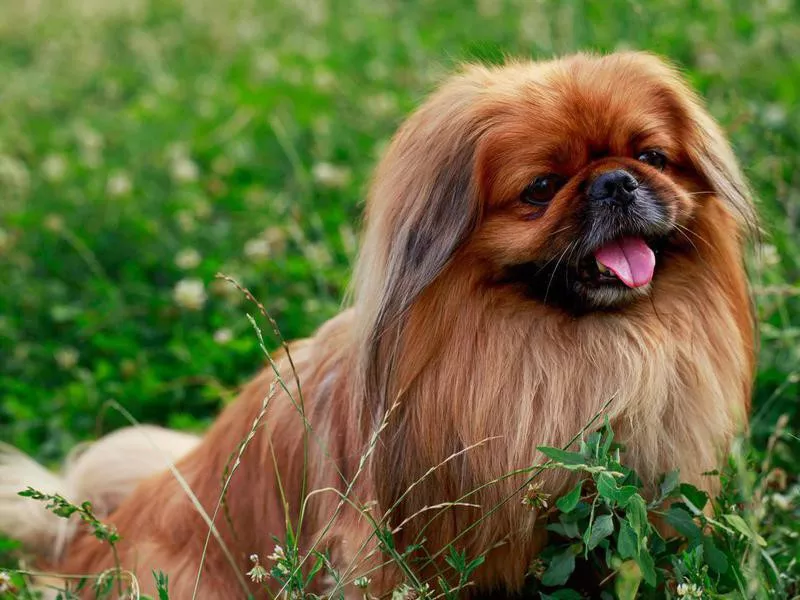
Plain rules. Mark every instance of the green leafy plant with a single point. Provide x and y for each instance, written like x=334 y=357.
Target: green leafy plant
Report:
x=464 y=568
x=604 y=537
x=162 y=585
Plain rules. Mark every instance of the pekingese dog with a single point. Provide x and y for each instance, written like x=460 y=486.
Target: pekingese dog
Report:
x=542 y=239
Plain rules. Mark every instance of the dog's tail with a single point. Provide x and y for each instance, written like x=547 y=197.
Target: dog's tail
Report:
x=104 y=472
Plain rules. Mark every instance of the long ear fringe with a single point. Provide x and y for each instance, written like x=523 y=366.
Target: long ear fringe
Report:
x=716 y=160
x=422 y=206
x=709 y=147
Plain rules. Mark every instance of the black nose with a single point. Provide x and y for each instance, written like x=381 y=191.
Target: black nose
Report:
x=618 y=186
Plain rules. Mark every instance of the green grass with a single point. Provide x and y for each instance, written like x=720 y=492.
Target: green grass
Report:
x=148 y=143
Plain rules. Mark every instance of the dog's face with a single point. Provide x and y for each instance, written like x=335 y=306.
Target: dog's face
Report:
x=587 y=181
x=575 y=181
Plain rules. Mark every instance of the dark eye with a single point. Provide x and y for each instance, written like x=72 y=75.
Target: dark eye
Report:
x=654 y=158
x=542 y=189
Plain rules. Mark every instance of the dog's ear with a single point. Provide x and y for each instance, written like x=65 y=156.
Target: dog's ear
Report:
x=709 y=150
x=714 y=159
x=422 y=206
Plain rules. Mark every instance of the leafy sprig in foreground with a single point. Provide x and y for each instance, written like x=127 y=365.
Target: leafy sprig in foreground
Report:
x=607 y=534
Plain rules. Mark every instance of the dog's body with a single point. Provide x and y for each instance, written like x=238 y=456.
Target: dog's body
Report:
x=449 y=372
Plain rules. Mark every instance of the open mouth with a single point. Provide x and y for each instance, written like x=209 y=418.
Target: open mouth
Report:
x=626 y=261
x=606 y=276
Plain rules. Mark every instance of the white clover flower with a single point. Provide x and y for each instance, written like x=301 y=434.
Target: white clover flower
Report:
x=91 y=145
x=535 y=498
x=381 y=105
x=202 y=208
x=781 y=501
x=54 y=167
x=175 y=151
x=689 y=590
x=777 y=6
x=315 y=48
x=14 y=174
x=278 y=553
x=276 y=238
x=266 y=64
x=767 y=255
x=53 y=222
x=324 y=80
x=489 y=8
x=222 y=165
x=88 y=138
x=317 y=14
x=295 y=232
x=377 y=70
x=164 y=83
x=190 y=294
x=6 y=585
x=66 y=358
x=188 y=258
x=186 y=220
x=257 y=573
x=319 y=254
x=206 y=108
x=774 y=114
x=119 y=184
x=149 y=101
x=223 y=336
x=293 y=76
x=256 y=249
x=184 y=170
x=311 y=305
x=322 y=126
x=330 y=175
x=708 y=60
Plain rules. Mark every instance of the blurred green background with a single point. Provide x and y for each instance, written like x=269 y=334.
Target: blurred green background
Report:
x=147 y=145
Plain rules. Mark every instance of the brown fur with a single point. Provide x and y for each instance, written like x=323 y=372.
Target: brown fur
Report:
x=457 y=357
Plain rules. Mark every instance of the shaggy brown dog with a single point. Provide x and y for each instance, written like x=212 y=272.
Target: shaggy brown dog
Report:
x=541 y=238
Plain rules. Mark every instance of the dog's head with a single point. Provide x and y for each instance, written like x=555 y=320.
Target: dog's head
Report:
x=576 y=183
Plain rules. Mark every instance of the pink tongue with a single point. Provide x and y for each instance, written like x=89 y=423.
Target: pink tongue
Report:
x=630 y=259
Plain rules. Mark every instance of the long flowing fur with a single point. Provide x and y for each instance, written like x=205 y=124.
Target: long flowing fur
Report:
x=439 y=380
